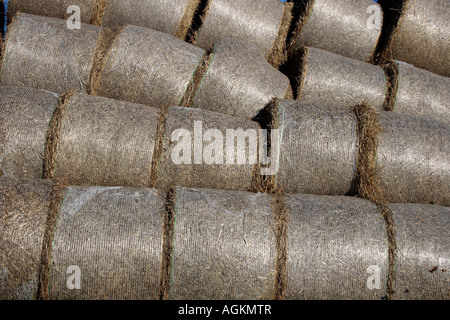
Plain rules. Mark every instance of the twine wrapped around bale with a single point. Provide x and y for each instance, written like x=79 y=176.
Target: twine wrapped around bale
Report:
x=173 y=18
x=23 y=218
x=327 y=78
x=263 y=23
x=340 y=27
x=24 y=119
x=414 y=156
x=203 y=157
x=238 y=69
x=421 y=92
x=317 y=148
x=114 y=236
x=53 y=8
x=42 y=53
x=223 y=246
x=156 y=66
x=422 y=36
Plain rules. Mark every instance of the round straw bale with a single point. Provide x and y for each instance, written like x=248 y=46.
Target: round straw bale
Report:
x=195 y=150
x=340 y=27
x=332 y=242
x=148 y=67
x=24 y=117
x=422 y=36
x=53 y=8
x=42 y=53
x=336 y=80
x=422 y=93
x=23 y=217
x=256 y=22
x=224 y=246
x=317 y=150
x=422 y=259
x=114 y=236
x=106 y=142
x=239 y=81
x=413 y=156
x=158 y=15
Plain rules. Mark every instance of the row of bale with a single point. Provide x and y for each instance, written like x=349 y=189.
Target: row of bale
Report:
x=305 y=148
x=407 y=30
x=140 y=243
x=148 y=67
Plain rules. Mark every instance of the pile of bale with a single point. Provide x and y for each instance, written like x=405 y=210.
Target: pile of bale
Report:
x=223 y=149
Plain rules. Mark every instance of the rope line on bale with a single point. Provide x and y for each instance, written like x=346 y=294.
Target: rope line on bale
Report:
x=97 y=12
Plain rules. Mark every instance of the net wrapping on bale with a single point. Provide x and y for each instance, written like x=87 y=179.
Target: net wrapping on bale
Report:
x=224 y=245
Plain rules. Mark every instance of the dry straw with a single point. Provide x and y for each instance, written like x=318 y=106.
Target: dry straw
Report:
x=239 y=81
x=421 y=92
x=323 y=77
x=422 y=36
x=23 y=216
x=43 y=53
x=24 y=119
x=340 y=27
x=223 y=246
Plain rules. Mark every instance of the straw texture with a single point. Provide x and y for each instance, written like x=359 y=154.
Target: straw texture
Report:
x=422 y=259
x=340 y=27
x=256 y=22
x=42 y=53
x=318 y=148
x=106 y=142
x=114 y=235
x=414 y=157
x=24 y=117
x=239 y=81
x=53 y=8
x=23 y=216
x=224 y=245
x=422 y=93
x=336 y=80
x=331 y=243
x=203 y=162
x=422 y=36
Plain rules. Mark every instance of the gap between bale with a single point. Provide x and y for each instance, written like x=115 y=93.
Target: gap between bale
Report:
x=105 y=42
x=281 y=216
x=278 y=53
x=53 y=136
x=188 y=18
x=295 y=69
x=392 y=19
x=159 y=143
x=301 y=12
x=197 y=20
x=392 y=77
x=197 y=78
x=56 y=199
x=168 y=234
x=97 y=12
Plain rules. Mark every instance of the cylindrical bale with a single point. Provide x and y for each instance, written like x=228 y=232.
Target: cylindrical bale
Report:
x=422 y=260
x=224 y=246
x=23 y=217
x=172 y=18
x=148 y=67
x=239 y=81
x=413 y=156
x=256 y=22
x=422 y=93
x=343 y=27
x=334 y=245
x=106 y=142
x=52 y=8
x=204 y=149
x=422 y=36
x=24 y=117
x=43 y=53
x=110 y=237
x=336 y=80
x=318 y=148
